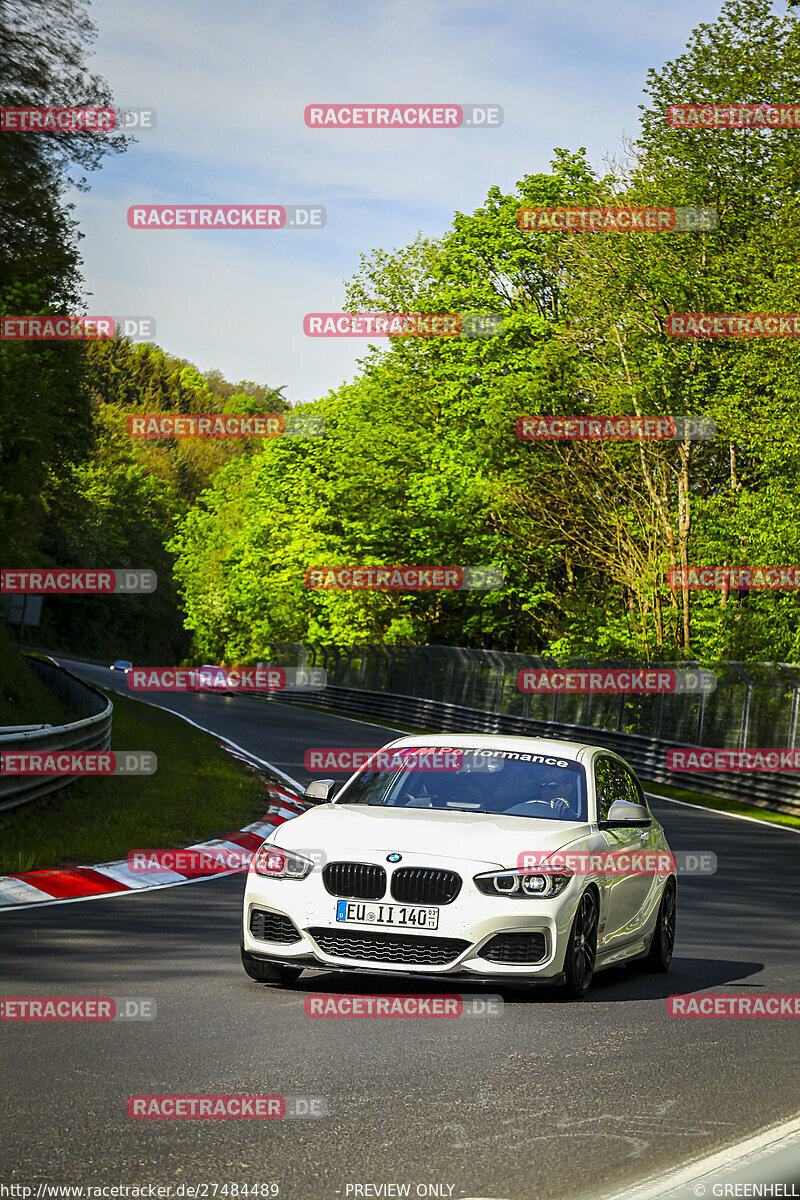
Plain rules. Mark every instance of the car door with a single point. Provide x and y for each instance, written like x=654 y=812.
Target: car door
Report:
x=650 y=843
x=626 y=895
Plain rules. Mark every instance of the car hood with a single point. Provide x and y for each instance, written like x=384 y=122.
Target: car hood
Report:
x=347 y=830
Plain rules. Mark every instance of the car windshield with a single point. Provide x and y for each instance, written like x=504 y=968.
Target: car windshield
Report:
x=497 y=782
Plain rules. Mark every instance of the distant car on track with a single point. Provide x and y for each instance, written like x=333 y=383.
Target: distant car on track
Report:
x=524 y=863
x=121 y=664
x=213 y=679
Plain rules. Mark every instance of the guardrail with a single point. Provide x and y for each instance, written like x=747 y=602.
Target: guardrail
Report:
x=637 y=727
x=91 y=732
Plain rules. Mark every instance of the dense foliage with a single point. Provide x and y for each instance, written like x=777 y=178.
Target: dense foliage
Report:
x=421 y=463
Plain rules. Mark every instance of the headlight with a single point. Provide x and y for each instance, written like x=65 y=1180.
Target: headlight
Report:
x=280 y=864
x=519 y=885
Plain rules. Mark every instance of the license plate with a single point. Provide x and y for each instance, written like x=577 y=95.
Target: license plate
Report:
x=398 y=916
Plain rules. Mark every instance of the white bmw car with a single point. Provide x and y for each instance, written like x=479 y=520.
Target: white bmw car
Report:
x=466 y=858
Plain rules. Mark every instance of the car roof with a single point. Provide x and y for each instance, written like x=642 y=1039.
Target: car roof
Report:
x=576 y=751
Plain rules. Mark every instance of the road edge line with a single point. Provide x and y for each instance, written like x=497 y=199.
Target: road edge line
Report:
x=661 y=1187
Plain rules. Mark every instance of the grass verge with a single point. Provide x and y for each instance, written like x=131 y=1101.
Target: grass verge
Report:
x=723 y=804
x=197 y=793
x=24 y=699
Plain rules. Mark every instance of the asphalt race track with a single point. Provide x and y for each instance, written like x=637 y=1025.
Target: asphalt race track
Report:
x=551 y=1099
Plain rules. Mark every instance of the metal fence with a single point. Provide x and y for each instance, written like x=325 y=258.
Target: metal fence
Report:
x=92 y=731
x=754 y=704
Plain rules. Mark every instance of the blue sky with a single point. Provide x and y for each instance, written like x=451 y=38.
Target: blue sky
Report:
x=230 y=83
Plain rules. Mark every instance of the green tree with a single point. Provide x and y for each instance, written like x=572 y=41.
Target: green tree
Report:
x=44 y=415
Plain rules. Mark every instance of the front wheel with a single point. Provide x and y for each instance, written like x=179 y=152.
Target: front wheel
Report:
x=659 y=955
x=267 y=972
x=581 y=948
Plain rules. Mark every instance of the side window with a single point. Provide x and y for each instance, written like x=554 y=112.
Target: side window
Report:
x=612 y=782
x=636 y=793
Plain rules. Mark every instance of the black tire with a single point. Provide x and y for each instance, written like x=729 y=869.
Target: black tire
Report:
x=266 y=972
x=581 y=948
x=659 y=956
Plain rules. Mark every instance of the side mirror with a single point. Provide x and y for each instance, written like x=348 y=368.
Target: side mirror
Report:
x=319 y=790
x=624 y=814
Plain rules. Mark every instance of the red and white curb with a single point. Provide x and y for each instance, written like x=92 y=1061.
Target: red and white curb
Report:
x=86 y=883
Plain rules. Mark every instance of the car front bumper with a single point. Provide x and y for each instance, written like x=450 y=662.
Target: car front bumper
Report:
x=472 y=920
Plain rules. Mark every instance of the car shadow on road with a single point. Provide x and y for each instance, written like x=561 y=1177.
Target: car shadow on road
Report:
x=684 y=976
x=611 y=986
